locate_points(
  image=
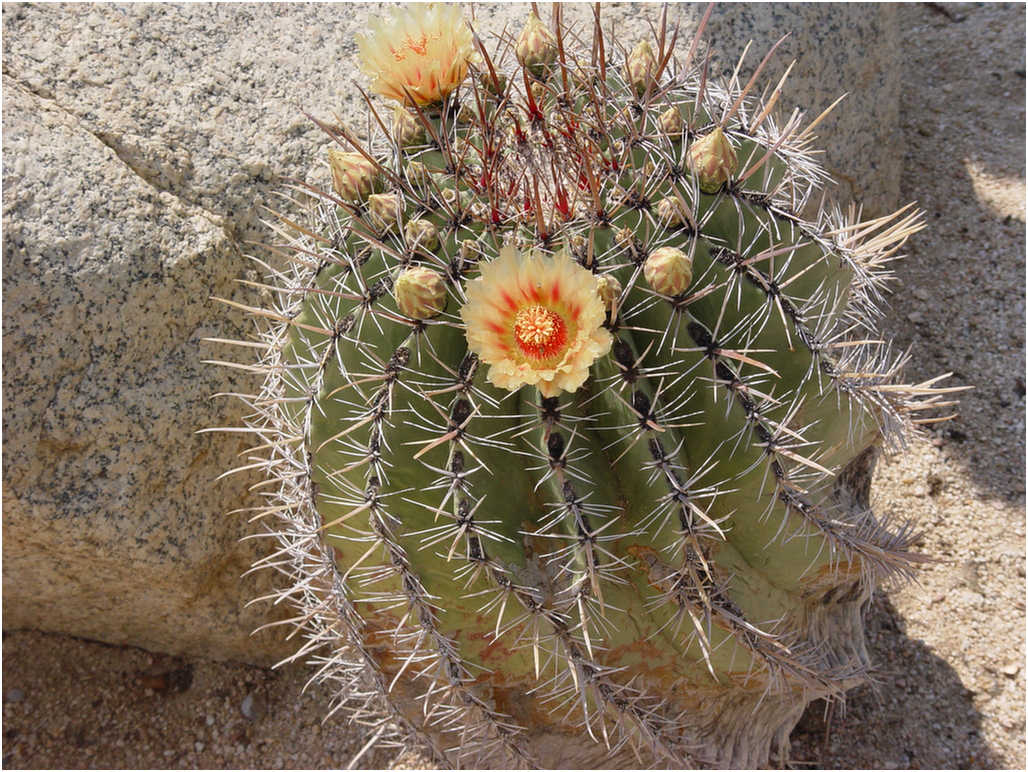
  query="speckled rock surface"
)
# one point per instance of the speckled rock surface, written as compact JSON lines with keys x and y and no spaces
{"x":138,"y":142}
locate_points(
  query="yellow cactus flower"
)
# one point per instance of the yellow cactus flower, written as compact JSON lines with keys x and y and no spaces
{"x":418,"y":55}
{"x":536,"y":321}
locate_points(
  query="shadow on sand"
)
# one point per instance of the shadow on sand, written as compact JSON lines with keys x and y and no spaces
{"x":911,"y":718}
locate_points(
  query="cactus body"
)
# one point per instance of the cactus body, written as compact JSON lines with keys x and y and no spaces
{"x":663,"y":564}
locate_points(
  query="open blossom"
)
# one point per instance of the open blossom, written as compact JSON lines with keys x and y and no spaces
{"x":418,"y":55}
{"x":536,"y":321}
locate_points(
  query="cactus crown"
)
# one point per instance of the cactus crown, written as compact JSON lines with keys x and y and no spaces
{"x":568,"y":429}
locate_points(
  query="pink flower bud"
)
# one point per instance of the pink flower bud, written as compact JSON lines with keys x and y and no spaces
{"x":354,"y":177}
{"x":535,"y":47}
{"x":671,"y":123}
{"x":407,"y":129}
{"x":670,"y":211}
{"x":420,"y":292}
{"x":422,"y":233}
{"x":641,"y":66}
{"x":668,"y":270}
{"x":384,"y":209}
{"x":712,"y":160}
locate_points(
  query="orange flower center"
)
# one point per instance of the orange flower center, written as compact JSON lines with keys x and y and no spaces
{"x":539,"y":332}
{"x":419,"y":47}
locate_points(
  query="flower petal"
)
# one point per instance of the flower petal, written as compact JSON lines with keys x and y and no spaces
{"x":519,"y":295}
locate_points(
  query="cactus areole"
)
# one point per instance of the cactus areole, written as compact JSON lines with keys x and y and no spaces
{"x":557,"y":478}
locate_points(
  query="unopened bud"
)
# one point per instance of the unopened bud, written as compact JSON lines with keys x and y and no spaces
{"x":671,"y":123}
{"x":418,"y":173}
{"x":384,"y":209}
{"x":626,"y":115}
{"x":712,"y":160}
{"x":640,"y":67}
{"x":465,"y":149}
{"x":535,"y":47}
{"x":468,"y":251}
{"x":624,"y":237}
{"x":516,"y":240}
{"x":670,"y":211}
{"x":609,"y":290}
{"x":422,"y":233}
{"x":495,"y":87}
{"x":449,"y":195}
{"x":668,"y":270}
{"x":583,"y":73}
{"x":407,"y":129}
{"x":354,"y":177}
{"x":420,"y":292}
{"x":467,"y":113}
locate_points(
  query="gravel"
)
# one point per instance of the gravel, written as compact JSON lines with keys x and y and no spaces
{"x":949,"y":690}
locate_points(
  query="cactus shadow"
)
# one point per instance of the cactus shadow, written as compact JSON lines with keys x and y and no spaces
{"x":959,"y":298}
{"x":917,"y":714}
{"x":976,"y":333}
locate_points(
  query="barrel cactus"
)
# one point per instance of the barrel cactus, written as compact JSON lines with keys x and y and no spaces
{"x":572,"y":394}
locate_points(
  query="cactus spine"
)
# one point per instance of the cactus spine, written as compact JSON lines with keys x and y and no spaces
{"x":568,"y":430}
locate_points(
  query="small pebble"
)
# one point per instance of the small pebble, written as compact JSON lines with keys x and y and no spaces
{"x":252,"y":707}
{"x":1012,"y":669}
{"x":199,"y":746}
{"x":209,"y":720}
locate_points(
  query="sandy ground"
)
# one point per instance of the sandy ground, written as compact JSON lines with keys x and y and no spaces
{"x":950,"y":685}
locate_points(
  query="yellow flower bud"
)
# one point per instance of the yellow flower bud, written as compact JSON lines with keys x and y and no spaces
{"x":640,"y":67}
{"x":624,"y":237}
{"x":468,"y":251}
{"x":712,"y":160}
{"x":384,"y":209}
{"x":420,"y":292}
{"x":418,"y":173}
{"x":671,"y":123}
{"x":670,"y":211}
{"x":578,"y":246}
{"x":497,"y":87}
{"x":407,"y":129}
{"x":467,"y":113}
{"x":535,"y":47}
{"x":668,"y":270}
{"x":422,"y":233}
{"x":354,"y":177}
